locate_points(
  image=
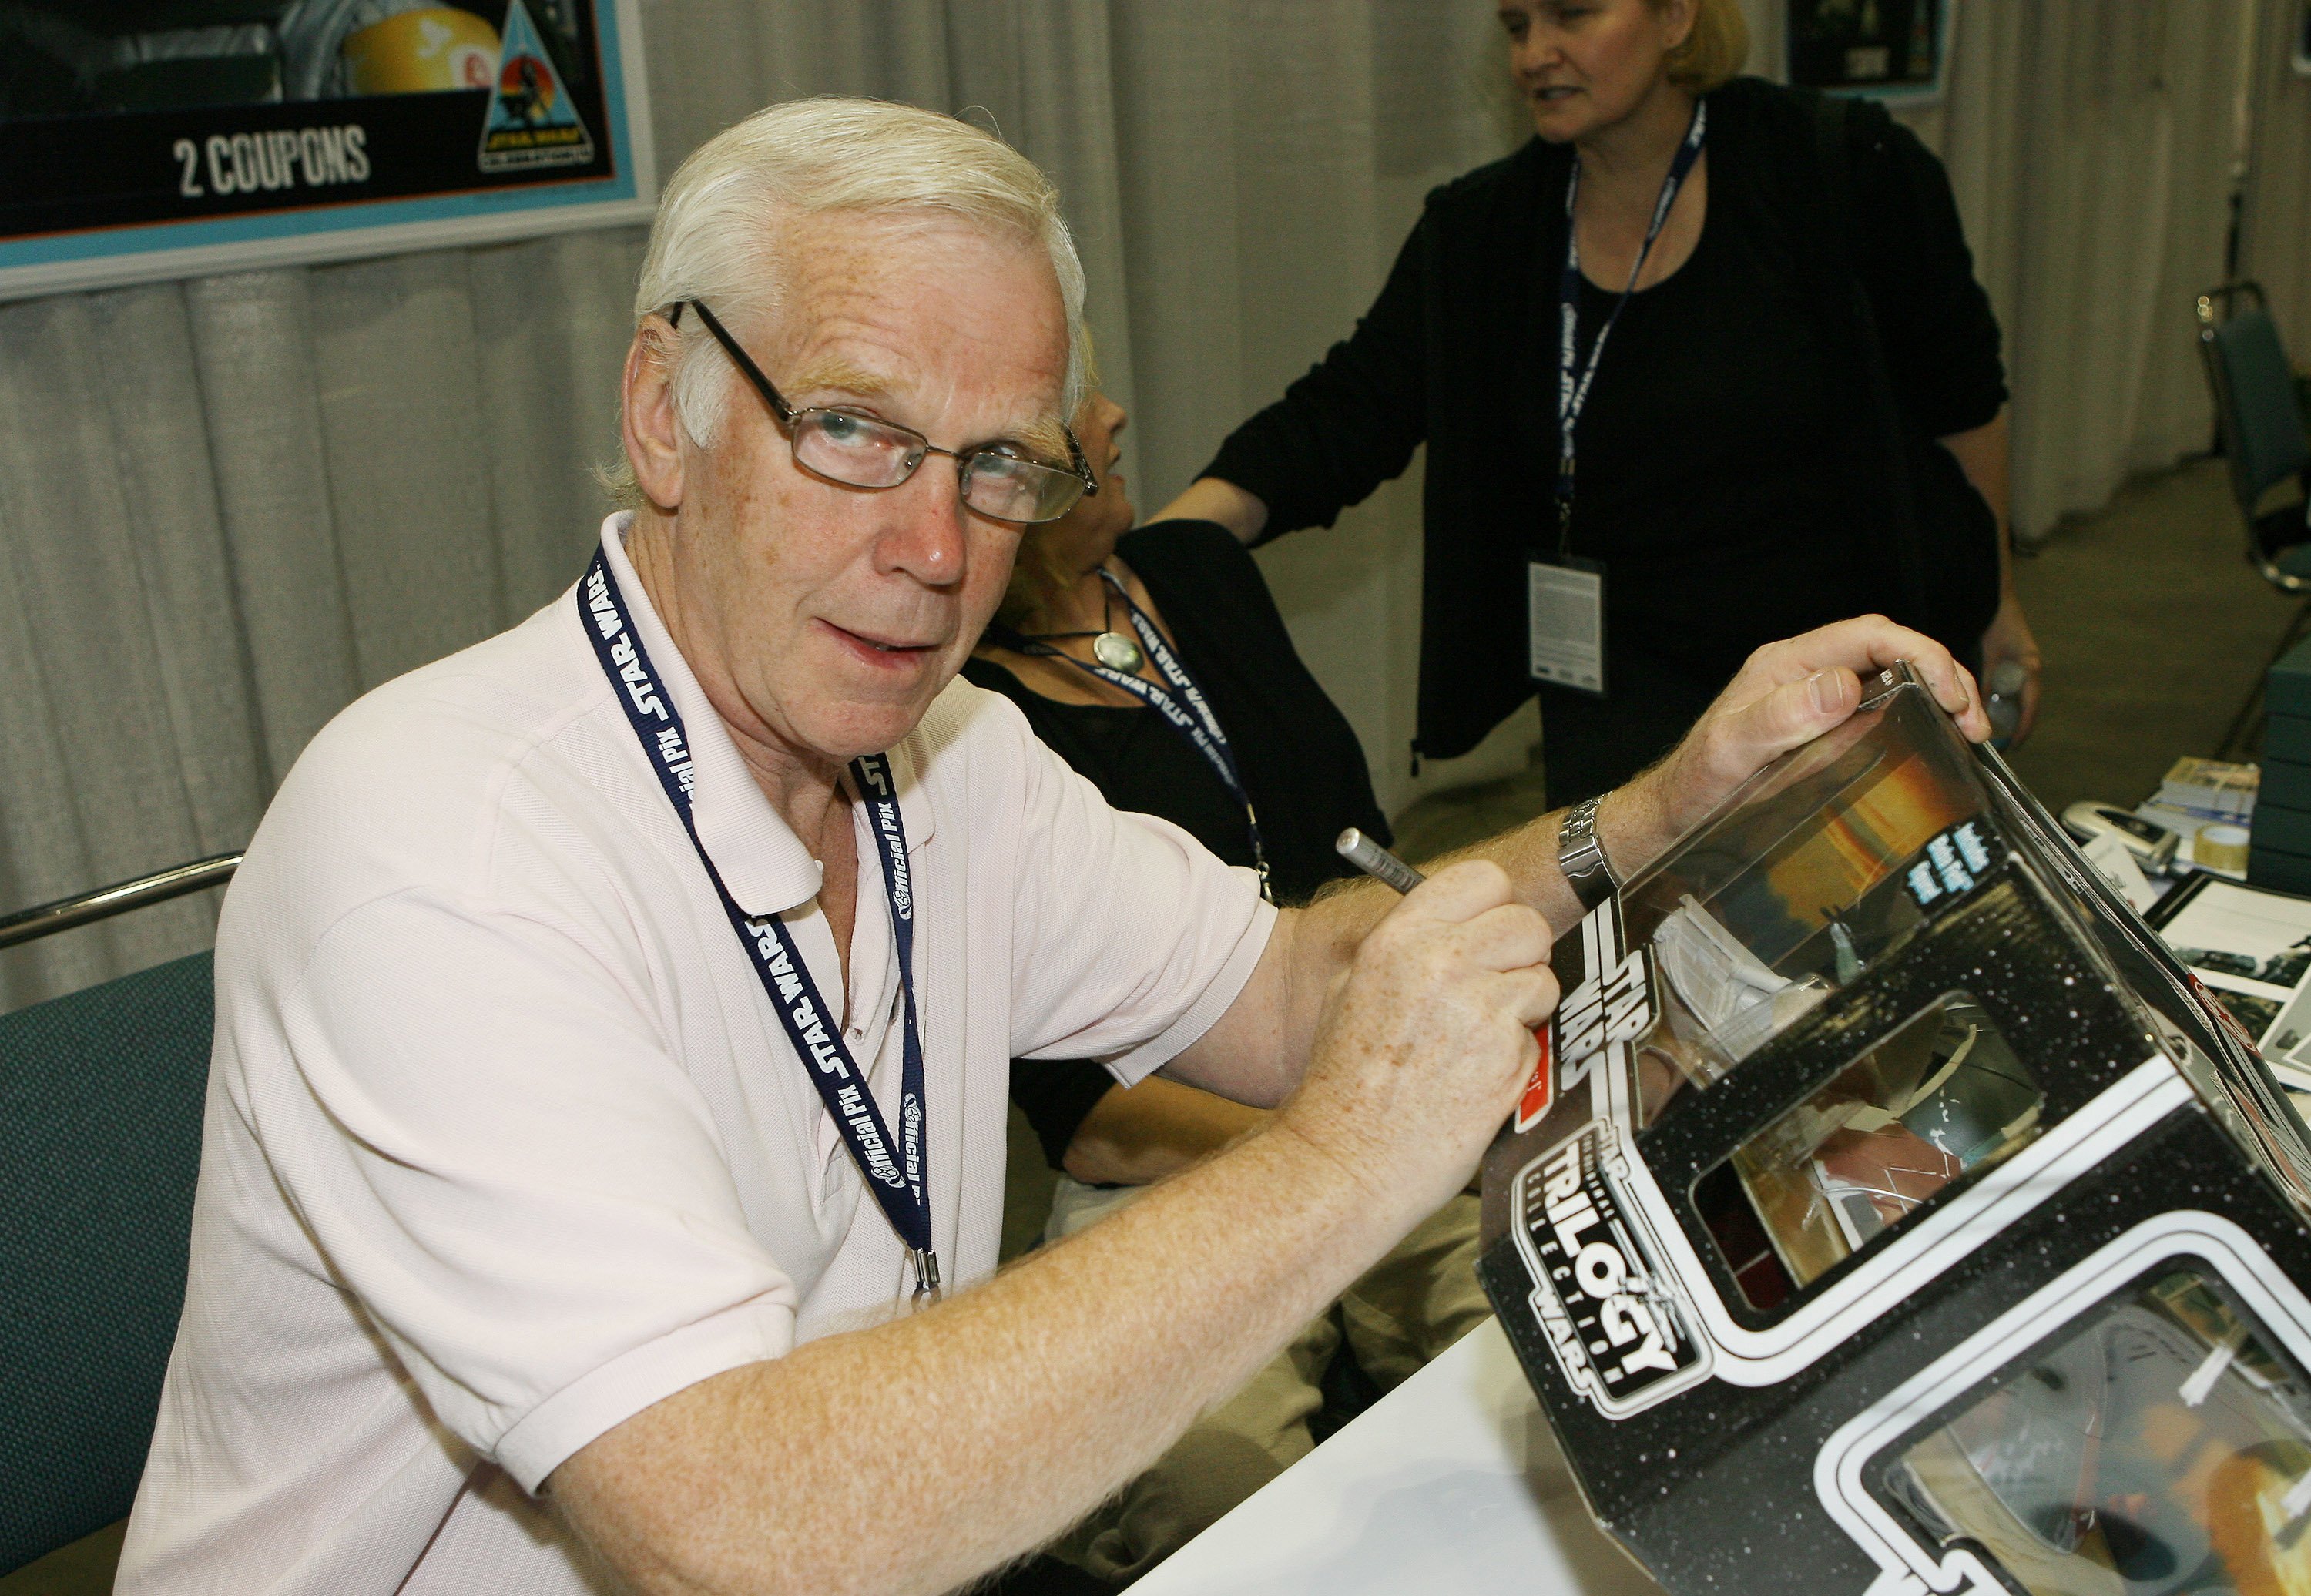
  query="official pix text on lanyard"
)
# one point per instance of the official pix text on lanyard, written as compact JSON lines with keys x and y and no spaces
{"x":893,"y":1169}
{"x":1565,"y":597}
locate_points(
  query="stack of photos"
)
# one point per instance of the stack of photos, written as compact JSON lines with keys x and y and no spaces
{"x":2251,"y":948}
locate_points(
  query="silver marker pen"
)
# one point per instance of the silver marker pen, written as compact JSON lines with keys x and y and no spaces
{"x":1376,"y":862}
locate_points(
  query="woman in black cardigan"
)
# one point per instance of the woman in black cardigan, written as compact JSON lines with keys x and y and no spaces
{"x":1800,"y":414}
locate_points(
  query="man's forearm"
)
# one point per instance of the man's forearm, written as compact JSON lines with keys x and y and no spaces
{"x":1629,"y":825}
{"x":1257,"y":1052}
{"x":1784,"y":696}
{"x":1008,"y":1411}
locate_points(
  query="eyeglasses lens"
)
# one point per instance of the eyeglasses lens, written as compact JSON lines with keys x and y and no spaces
{"x":1013,"y":490}
{"x":869,"y":454}
{"x":853,"y":449}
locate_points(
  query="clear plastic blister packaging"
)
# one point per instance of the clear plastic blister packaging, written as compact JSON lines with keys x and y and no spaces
{"x":2160,"y":1445}
{"x":1830,"y":1203}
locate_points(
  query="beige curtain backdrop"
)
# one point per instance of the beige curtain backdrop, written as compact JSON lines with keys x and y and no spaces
{"x":2278,"y":221}
{"x":2090,"y":145}
{"x":229,"y":505}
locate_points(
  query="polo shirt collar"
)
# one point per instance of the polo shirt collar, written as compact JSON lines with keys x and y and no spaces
{"x":767,"y":867}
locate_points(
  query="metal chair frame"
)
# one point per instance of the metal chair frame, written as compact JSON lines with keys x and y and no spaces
{"x":30,"y":924}
{"x":32,"y":1530}
{"x":2212,"y":309}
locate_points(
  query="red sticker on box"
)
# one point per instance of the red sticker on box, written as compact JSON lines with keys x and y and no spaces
{"x":1541,"y":1090}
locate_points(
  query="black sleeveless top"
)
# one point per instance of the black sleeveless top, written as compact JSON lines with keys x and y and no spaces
{"x":1300,"y":760}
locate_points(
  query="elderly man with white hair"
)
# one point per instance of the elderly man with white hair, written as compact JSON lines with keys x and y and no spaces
{"x":613,"y":1019}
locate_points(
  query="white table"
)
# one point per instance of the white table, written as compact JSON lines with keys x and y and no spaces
{"x":1450,"y":1482}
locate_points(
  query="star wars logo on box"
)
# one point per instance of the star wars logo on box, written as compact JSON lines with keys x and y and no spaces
{"x":1888,"y":1213}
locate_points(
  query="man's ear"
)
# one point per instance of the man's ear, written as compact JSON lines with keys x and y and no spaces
{"x":652,"y":432}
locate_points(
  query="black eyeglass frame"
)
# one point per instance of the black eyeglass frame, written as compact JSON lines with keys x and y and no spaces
{"x":787,"y":415}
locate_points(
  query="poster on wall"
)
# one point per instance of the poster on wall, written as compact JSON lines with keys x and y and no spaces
{"x":159,"y":138}
{"x":1890,"y":49}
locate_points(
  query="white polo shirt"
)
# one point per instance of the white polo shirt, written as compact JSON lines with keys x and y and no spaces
{"x":504,"y":1142}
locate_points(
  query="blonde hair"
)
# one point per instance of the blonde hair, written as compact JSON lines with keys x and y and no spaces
{"x":1715,"y":49}
{"x":723,"y":225}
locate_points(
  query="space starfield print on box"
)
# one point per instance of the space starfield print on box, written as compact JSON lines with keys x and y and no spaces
{"x":1891,"y":1212}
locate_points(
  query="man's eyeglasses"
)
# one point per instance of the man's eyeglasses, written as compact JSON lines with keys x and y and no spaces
{"x":861,"y":452}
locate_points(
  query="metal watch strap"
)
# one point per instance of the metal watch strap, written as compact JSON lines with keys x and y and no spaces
{"x":1582,"y":857}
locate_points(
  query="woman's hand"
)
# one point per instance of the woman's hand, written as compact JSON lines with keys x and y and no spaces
{"x":1787,"y":694}
{"x":2010,"y":638}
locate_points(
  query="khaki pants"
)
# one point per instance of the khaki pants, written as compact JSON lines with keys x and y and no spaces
{"x":1408,"y":1308}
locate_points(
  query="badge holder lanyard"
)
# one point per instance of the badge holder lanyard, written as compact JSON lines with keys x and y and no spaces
{"x":1565,"y":597}
{"x":1201,"y":727}
{"x":894,"y":1170}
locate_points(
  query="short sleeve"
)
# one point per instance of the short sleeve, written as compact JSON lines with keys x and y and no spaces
{"x":523,"y":1191}
{"x":1130,"y":938}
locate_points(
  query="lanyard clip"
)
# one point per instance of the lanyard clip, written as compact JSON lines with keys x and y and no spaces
{"x":926,"y":1274}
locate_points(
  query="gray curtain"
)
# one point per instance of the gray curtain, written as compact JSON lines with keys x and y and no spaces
{"x":2276,"y":225}
{"x":2090,"y":145}
{"x":2094,"y":144}
{"x":229,"y":505}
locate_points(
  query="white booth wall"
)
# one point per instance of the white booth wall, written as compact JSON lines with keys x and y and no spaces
{"x":229,"y":505}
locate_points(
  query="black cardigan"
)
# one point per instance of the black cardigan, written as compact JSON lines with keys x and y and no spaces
{"x":1454,"y":331}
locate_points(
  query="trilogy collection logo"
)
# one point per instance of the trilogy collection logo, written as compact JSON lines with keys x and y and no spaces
{"x":1612,"y":1314}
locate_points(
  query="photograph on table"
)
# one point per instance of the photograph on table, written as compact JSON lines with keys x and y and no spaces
{"x":1891,"y":49}
{"x":158,"y":138}
{"x":2251,"y":948}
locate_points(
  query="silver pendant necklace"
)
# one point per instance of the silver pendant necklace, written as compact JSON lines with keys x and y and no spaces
{"x":1117,"y":650}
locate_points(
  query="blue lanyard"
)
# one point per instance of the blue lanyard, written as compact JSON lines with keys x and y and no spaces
{"x":1193,"y":720}
{"x":1572,"y":392}
{"x":898,"y":1183}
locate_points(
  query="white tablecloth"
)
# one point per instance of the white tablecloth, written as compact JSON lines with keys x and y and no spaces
{"x":1450,"y":1482}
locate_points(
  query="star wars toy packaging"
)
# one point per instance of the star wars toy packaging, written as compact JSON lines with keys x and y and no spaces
{"x":1890,"y":1213}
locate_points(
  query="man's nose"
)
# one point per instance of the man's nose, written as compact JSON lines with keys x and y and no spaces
{"x":927,"y":532}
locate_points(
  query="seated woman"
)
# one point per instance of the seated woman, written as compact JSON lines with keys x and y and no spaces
{"x":1154,"y":662}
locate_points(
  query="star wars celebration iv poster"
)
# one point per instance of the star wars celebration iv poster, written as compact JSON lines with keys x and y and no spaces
{"x":1894,"y":50}
{"x":153,"y":138}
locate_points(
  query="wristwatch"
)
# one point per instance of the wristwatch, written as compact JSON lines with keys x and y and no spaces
{"x":1582,"y":857}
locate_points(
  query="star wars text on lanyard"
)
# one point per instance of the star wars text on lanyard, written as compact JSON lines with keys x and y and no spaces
{"x":1565,"y":597}
{"x":894,"y":1170}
